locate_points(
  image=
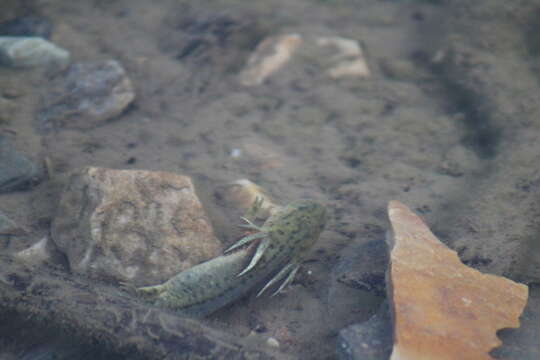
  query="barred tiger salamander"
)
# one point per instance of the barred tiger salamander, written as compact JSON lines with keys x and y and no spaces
{"x":269,"y":256}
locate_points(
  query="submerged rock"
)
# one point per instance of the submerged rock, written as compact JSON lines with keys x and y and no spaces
{"x":441,"y":308}
{"x":349,"y":60}
{"x":30,"y":25}
{"x":363,"y":266}
{"x":23,"y":52}
{"x":17,"y":172}
{"x":370,"y":340}
{"x":37,"y":253}
{"x":271,"y":55}
{"x":137,"y":226}
{"x":243,"y":193}
{"x":89,"y":94}
{"x":7,"y":226}
{"x":338,"y":57}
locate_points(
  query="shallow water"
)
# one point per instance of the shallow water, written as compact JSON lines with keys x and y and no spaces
{"x":407,"y":132}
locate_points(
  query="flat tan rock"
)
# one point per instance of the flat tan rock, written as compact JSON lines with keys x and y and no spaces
{"x":443,"y":309}
{"x":243,"y":193}
{"x":132,"y":225}
{"x":337,"y":56}
{"x":269,"y":56}
{"x":349,"y":60}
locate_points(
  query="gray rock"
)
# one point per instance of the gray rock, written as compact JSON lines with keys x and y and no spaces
{"x":136,"y":226}
{"x":7,"y":226}
{"x":23,"y":52}
{"x":89,"y":94}
{"x":16,"y":171}
{"x":8,"y":111}
{"x":363,"y":266}
{"x":370,"y":340}
{"x":523,"y":343}
{"x":358,"y":281}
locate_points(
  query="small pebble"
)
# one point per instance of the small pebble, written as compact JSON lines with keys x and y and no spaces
{"x":235,"y":153}
{"x":272,"y":342}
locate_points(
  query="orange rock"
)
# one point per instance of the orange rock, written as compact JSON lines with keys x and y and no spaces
{"x":441,"y":308}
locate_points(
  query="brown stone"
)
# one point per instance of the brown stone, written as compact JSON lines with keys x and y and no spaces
{"x":441,"y":308}
{"x":132,"y":225}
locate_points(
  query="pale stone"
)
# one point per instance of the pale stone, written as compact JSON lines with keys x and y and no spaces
{"x":441,"y":308}
{"x":272,"y":342}
{"x":23,"y":52}
{"x":37,"y":253}
{"x":349,"y":61}
{"x":269,"y":56}
{"x":241,"y":194}
{"x":132,"y":225}
{"x":350,"y":68}
{"x":347,"y":58}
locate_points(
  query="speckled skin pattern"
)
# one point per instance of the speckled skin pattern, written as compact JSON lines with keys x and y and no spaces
{"x":198,"y":291}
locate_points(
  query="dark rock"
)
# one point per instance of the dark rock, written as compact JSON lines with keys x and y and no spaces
{"x":363,"y":267}
{"x":358,"y":282}
{"x":221,"y":41}
{"x":369,"y":340}
{"x":16,"y":171}
{"x":27,"y":26}
{"x":7,"y":226}
{"x":523,"y":343}
{"x":87,"y":95}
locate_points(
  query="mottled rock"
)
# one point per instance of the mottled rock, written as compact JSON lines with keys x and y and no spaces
{"x":370,"y":340}
{"x":269,"y":56}
{"x":441,"y":308}
{"x":23,"y":52}
{"x":30,"y":25}
{"x":17,"y":172}
{"x":87,"y":95}
{"x":127,"y":225}
{"x":7,"y":226}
